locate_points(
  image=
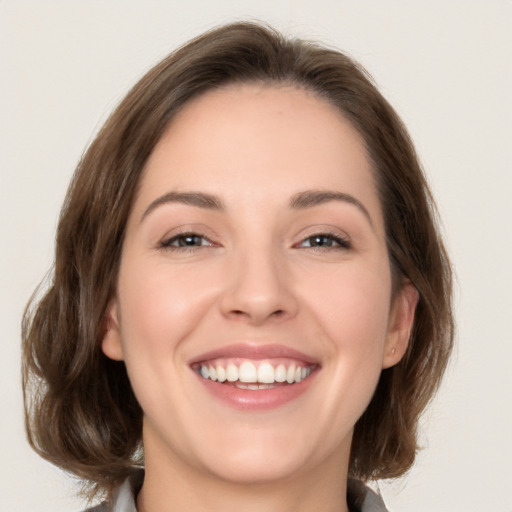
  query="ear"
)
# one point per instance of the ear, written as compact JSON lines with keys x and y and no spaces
{"x":401,"y":321}
{"x":111,"y":342}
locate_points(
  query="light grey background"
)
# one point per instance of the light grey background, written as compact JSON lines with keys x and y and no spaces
{"x":447,"y":68}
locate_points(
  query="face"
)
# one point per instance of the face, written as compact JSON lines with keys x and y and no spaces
{"x":254,"y":309}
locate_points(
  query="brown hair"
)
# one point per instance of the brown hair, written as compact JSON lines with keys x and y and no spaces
{"x":81,"y":413}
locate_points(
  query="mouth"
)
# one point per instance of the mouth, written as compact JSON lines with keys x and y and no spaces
{"x":252,"y":377}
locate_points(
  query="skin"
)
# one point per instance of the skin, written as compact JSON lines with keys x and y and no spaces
{"x":255,"y":278}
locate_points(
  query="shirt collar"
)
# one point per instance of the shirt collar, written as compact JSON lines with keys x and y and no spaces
{"x":361,"y":497}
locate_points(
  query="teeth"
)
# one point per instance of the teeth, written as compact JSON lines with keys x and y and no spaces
{"x":253,"y":387}
{"x":221,"y":373}
{"x":280,"y":373}
{"x":247,"y":372}
{"x":231,"y":372}
{"x":266,"y":373}
{"x":250,"y":376}
{"x":290,"y":374}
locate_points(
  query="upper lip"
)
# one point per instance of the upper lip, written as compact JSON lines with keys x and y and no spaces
{"x":256,"y":352}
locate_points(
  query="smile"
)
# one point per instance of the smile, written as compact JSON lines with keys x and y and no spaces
{"x":254,"y":375}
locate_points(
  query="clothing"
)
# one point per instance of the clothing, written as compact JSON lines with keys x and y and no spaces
{"x":123,"y":498}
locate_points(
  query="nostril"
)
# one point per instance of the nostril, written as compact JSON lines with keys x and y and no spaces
{"x":240,"y":314}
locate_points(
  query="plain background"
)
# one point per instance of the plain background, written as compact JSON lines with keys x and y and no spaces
{"x":446,"y":66}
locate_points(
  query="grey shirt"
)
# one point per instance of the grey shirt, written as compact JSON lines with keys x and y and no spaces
{"x":360,"y":497}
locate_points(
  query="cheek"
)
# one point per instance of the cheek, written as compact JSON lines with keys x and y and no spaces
{"x":159,"y":307}
{"x":161,"y":304}
{"x":351,"y":307}
{"x":355,"y":296}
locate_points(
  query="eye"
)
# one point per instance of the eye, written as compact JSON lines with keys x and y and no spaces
{"x":186,"y":241}
{"x":325,"y":241}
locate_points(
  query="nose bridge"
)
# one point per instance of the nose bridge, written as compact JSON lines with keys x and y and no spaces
{"x":258,"y":287}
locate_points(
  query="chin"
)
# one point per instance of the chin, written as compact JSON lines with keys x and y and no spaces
{"x":263,"y":456}
{"x":256,"y":469}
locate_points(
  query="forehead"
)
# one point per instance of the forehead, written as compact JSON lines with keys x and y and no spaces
{"x":253,"y":139}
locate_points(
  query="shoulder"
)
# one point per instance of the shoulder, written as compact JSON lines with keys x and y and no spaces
{"x":360,"y":497}
{"x":103,"y":507}
{"x":363,"y":499}
{"x":124,"y":497}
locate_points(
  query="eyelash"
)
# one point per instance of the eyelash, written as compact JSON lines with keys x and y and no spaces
{"x":168,"y":243}
{"x":340,"y":242}
{"x":337,"y":242}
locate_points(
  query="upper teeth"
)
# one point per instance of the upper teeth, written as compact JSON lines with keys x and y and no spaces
{"x":247,"y":371}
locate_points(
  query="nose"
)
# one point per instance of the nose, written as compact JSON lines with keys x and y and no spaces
{"x":259,"y":289}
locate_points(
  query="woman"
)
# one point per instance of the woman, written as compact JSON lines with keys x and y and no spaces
{"x":250,"y":297}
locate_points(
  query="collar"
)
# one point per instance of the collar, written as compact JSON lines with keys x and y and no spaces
{"x":360,"y":497}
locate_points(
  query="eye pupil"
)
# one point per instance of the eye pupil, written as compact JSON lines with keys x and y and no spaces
{"x":189,"y":240}
{"x":321,"y":241}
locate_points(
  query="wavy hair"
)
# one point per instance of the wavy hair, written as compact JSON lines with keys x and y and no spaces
{"x":81,"y":413}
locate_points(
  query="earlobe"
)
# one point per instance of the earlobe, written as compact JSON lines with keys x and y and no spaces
{"x":111,"y":341}
{"x":401,"y":321}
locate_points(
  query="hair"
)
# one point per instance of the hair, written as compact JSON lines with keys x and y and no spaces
{"x":81,"y":413}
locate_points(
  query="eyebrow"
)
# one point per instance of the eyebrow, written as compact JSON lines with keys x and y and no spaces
{"x":199,"y":199}
{"x":310,"y":198}
{"x":300,"y":201}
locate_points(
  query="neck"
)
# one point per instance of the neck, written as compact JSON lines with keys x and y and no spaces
{"x":176,"y":487}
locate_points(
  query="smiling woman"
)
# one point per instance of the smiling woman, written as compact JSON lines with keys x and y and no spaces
{"x":250,"y":298}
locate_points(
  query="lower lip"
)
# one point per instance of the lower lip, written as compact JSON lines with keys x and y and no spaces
{"x":258,"y":399}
